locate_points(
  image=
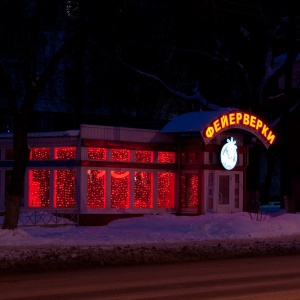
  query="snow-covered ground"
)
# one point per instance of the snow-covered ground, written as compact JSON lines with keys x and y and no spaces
{"x":160,"y":228}
{"x":162,"y":237}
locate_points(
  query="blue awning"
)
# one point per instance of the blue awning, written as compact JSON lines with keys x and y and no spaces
{"x":192,"y":121}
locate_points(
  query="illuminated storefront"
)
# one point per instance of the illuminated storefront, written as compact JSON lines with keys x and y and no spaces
{"x":100,"y":171}
{"x":110,"y":172}
{"x":213,"y":152}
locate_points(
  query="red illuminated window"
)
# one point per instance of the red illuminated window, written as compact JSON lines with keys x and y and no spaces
{"x":166,"y":190}
{"x":96,"y":188}
{"x":143,"y":186}
{"x":40,"y":153}
{"x":64,"y":188}
{"x":120,"y":192}
{"x":97,"y":153}
{"x":120,"y":154}
{"x":166,"y":157}
{"x":143,"y":156}
{"x":189,"y":190}
{"x":65,"y":153}
{"x":38,"y":195}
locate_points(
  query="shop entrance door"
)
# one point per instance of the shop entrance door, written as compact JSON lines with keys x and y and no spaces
{"x":223,"y":193}
{"x":229,"y":192}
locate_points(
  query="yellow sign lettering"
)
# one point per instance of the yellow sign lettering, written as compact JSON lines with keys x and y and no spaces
{"x":231,"y":119}
{"x":259,"y":124}
{"x":271,"y":137}
{"x":252,"y":121}
{"x":244,"y":120}
{"x":217,"y":126}
{"x":209,"y":132}
{"x":238,"y":117}
{"x":224,"y":121}
{"x":264,"y":130}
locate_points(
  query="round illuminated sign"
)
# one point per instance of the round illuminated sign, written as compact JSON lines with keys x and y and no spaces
{"x":229,"y":154}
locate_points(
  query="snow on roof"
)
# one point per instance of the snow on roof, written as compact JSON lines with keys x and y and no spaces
{"x":44,"y":134}
{"x":192,"y":121}
{"x":55,"y":134}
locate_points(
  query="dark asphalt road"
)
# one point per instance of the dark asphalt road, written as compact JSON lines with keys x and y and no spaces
{"x":240,"y":278}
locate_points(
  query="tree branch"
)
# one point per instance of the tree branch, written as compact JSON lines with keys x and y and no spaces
{"x":195,"y":96}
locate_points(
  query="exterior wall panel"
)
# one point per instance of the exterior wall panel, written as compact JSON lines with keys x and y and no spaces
{"x":124,"y":134}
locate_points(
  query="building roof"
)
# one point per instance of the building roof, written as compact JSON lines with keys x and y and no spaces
{"x":192,"y":121}
{"x":43,"y":134}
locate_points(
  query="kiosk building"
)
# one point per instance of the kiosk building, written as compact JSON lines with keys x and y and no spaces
{"x":195,"y":164}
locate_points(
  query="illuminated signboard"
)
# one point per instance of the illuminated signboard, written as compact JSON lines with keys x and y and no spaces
{"x":240,"y":120}
{"x":229,"y":154}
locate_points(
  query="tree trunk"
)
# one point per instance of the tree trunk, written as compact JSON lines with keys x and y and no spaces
{"x":253,"y":171}
{"x":286,"y":140}
{"x":289,"y":204}
{"x":21,"y":115}
{"x":268,"y":178}
{"x":12,"y":212}
{"x":16,"y":188}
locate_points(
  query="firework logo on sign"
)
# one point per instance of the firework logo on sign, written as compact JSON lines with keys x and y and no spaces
{"x":229,"y":154}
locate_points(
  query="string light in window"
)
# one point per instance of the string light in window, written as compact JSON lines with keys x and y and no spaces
{"x":166,"y":190}
{"x":40,"y":153}
{"x":65,"y":188}
{"x":166,"y":157}
{"x":39,"y":188}
{"x":120,"y":189}
{"x":97,"y":153}
{"x":143,"y":185}
{"x":189,"y":190}
{"x":144,"y":156}
{"x":120,"y":154}
{"x":65,"y":153}
{"x":96,"y":188}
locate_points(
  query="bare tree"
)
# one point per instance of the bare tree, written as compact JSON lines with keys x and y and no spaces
{"x":262,"y":94}
{"x":22,"y":110}
{"x":208,"y":49}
